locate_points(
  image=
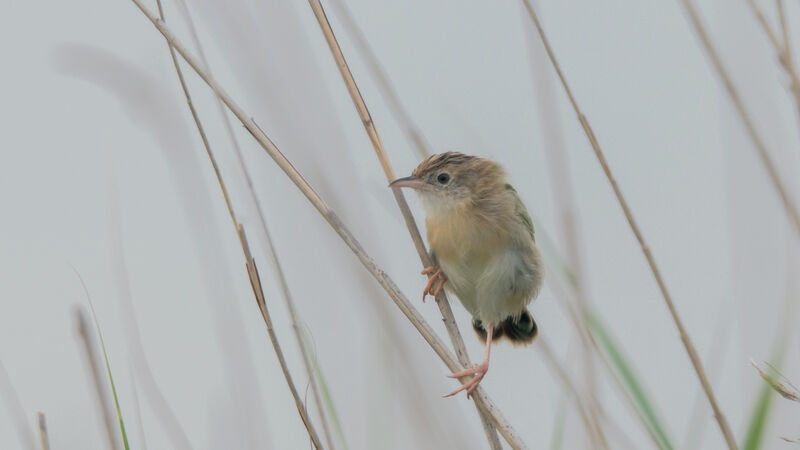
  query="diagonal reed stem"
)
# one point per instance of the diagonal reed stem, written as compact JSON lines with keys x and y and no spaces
{"x":252,"y":272}
{"x":372,"y":132}
{"x":255,"y":283}
{"x":262,"y":218}
{"x":387,"y":89}
{"x":747,"y":121}
{"x":586,"y":407}
{"x":782,"y":49}
{"x":687,"y":342}
{"x":493,"y":413}
{"x":557,"y":159}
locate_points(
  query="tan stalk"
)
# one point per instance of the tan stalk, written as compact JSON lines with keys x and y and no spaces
{"x":572,"y":310}
{"x":251,"y":270}
{"x":687,"y":342}
{"x":43,"y":431}
{"x":783,"y":49}
{"x":333,"y":220}
{"x":262,"y":219}
{"x":386,"y":88}
{"x":372,"y":132}
{"x":587,"y":416}
{"x":557,"y":159}
{"x":255,"y":283}
{"x":763,"y":154}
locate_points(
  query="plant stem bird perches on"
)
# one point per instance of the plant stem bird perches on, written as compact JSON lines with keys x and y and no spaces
{"x":492,"y":412}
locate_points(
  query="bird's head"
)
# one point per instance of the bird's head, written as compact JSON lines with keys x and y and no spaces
{"x":452,"y":180}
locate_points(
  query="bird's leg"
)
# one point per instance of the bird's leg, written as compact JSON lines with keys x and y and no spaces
{"x":435,"y":282}
{"x":479,"y":371}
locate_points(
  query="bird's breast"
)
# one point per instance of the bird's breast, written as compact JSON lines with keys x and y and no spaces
{"x":459,"y":236}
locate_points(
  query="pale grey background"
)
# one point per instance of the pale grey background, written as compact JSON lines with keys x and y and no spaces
{"x":102,"y":170}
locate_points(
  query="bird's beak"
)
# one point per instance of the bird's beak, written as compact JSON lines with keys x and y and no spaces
{"x":409,"y":182}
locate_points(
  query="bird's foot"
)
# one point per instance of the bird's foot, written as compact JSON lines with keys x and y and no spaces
{"x":435,"y":282}
{"x":470,"y":386}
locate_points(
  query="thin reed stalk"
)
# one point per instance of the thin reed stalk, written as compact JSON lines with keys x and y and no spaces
{"x":387,"y":89}
{"x":556,"y":154}
{"x":333,"y":220}
{"x":250,"y":263}
{"x":263,"y":228}
{"x":782,"y":47}
{"x":687,"y":342}
{"x":584,"y":405}
{"x":580,"y":326}
{"x":43,"y":438}
{"x":93,"y":361}
{"x":747,"y":121}
{"x":372,"y":133}
{"x":255,"y":282}
{"x":16,"y":412}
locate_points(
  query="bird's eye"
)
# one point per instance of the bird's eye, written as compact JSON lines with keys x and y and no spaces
{"x":443,"y":178}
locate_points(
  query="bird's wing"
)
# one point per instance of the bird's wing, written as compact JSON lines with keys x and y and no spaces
{"x":521,"y":212}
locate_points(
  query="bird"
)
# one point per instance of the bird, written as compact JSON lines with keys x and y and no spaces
{"x":482,"y":246}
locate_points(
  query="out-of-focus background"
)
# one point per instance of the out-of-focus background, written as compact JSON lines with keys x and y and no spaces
{"x":103,"y":174}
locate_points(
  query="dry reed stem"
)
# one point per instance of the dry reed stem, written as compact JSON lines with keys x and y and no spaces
{"x":783,"y":49}
{"x":763,"y":154}
{"x":251,"y":271}
{"x":556,"y":154}
{"x":255,"y":282}
{"x":787,"y":45}
{"x":92,"y":359}
{"x":15,"y":409}
{"x":294,"y":317}
{"x":43,"y":431}
{"x":372,"y":132}
{"x":333,"y":220}
{"x":588,"y":417}
{"x":386,"y":88}
{"x":229,"y":205}
{"x":265,"y":235}
{"x":567,"y":301}
{"x":687,"y":342}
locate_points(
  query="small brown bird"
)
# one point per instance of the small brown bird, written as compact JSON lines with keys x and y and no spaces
{"x":483,"y":248}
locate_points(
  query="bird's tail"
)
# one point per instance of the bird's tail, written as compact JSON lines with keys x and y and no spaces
{"x":519,"y":330}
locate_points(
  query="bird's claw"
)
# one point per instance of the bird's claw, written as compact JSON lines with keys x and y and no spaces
{"x":471,"y":385}
{"x":435,"y":282}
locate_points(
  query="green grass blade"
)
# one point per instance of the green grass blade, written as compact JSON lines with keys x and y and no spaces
{"x":759,"y":419}
{"x":113,"y":386}
{"x":634,"y":387}
{"x":323,"y":387}
{"x":108,"y":365}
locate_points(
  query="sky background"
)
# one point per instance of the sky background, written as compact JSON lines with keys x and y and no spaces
{"x":103,"y":173}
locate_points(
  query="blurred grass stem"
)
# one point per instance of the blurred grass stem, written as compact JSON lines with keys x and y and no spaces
{"x":93,"y":361}
{"x":229,"y":205}
{"x":43,"y":438}
{"x":687,"y":342}
{"x":747,"y":121}
{"x":333,"y":220}
{"x":372,"y":132}
{"x":15,"y":409}
{"x":250,"y":263}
